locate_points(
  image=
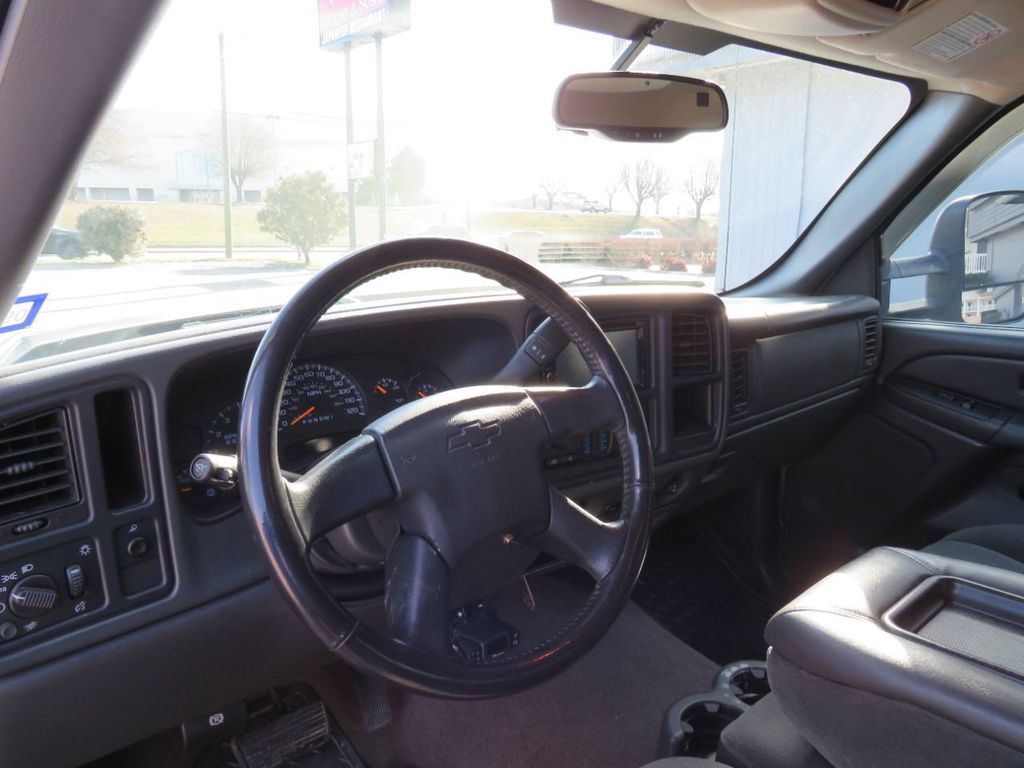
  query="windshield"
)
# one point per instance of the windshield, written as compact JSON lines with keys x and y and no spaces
{"x":229,"y":169}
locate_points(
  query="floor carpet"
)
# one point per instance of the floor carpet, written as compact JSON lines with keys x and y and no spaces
{"x":603,"y":712}
{"x":691,"y":592}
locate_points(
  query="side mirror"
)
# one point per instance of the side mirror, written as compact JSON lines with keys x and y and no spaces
{"x":974,"y":267}
{"x":631,"y":106}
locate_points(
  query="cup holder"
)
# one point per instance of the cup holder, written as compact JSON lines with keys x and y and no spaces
{"x":693,"y":725}
{"x":746,"y":680}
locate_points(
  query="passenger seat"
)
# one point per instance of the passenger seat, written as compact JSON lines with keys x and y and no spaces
{"x":1000,"y":546}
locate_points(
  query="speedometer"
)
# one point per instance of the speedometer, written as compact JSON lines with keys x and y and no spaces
{"x":319,"y":394}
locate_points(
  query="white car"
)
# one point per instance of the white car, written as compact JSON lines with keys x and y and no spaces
{"x":643,"y":234}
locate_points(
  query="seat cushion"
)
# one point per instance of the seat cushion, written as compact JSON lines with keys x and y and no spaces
{"x":1000,"y":546}
{"x":763,"y":737}
{"x":683,"y":762}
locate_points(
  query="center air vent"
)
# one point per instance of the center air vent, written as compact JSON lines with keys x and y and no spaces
{"x":739,"y":382}
{"x":36,"y":474}
{"x":691,"y":345}
{"x":870,"y":342}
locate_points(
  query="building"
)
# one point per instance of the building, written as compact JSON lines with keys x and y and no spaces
{"x":154,"y":156}
{"x":766,"y":199}
{"x":994,"y":258}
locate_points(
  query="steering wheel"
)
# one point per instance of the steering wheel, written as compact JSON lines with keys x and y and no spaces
{"x":461,"y":473}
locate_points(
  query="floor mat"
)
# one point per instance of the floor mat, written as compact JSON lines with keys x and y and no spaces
{"x":603,"y":712}
{"x":691,"y":592}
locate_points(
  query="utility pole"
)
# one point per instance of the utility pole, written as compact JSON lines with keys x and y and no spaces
{"x":350,"y":135}
{"x":378,"y":147}
{"x":225,"y":155}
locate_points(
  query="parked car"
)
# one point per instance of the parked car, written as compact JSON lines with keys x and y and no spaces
{"x":66,"y":243}
{"x":643,"y":234}
{"x":593,"y":206}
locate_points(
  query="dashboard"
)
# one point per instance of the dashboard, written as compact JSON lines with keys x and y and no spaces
{"x":173,"y":585}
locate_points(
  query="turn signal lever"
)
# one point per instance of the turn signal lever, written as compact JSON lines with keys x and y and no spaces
{"x":215,"y":470}
{"x":536,"y":353}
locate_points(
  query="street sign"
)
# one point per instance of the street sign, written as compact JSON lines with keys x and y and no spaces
{"x":344,"y":22}
{"x":361,"y":160}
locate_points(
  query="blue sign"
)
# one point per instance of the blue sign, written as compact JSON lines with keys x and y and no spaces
{"x":23,"y":312}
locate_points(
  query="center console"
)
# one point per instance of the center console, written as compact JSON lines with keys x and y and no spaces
{"x":905,"y":658}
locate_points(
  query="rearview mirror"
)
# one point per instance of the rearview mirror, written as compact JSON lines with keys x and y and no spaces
{"x":631,"y":106}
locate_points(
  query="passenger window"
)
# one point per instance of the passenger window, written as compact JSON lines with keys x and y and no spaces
{"x":962,"y":260}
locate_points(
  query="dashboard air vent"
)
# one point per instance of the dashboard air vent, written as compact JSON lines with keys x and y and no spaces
{"x":36,"y":474}
{"x":870,"y":342}
{"x":739,"y":382}
{"x":691,"y":345}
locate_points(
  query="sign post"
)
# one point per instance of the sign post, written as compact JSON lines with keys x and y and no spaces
{"x":343,"y":25}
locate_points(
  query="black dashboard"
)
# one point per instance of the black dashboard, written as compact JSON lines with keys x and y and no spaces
{"x":173,"y":586}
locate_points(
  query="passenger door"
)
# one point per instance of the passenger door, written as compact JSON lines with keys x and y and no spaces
{"x":939,"y":446}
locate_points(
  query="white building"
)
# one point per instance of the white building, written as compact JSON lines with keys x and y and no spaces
{"x":995,"y":256}
{"x":147,"y":155}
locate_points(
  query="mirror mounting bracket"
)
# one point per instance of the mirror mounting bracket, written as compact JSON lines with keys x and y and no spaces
{"x":637,"y":46}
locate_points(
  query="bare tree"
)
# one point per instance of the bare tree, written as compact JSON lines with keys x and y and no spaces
{"x":701,"y":184}
{"x":109,"y":147}
{"x":638,"y":181}
{"x":662,"y":187}
{"x":611,"y":189}
{"x":552,"y":188}
{"x":250,"y":150}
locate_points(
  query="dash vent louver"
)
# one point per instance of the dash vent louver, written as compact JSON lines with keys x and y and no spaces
{"x":36,"y":471}
{"x":739,"y":382}
{"x":870,"y":342}
{"x":691,"y":345}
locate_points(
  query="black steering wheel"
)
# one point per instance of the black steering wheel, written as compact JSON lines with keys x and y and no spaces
{"x":461,"y":473}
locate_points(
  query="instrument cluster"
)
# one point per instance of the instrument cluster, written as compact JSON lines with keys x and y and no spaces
{"x":323,"y":404}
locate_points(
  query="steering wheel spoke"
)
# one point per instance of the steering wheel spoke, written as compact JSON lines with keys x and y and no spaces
{"x":416,"y":590}
{"x":351,"y":482}
{"x":569,"y":410}
{"x":576,"y":536}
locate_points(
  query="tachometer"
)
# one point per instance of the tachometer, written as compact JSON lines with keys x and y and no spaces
{"x":319,"y":394}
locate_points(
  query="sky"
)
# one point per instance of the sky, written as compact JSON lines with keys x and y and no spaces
{"x":469,"y":87}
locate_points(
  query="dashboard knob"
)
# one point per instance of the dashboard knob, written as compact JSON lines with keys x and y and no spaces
{"x":33,"y":596}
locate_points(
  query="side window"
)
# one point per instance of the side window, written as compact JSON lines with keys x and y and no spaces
{"x":962,"y":260}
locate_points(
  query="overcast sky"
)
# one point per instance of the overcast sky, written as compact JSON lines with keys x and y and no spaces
{"x":469,"y":87}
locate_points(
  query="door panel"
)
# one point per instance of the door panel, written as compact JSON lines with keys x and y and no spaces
{"x":936,"y":448}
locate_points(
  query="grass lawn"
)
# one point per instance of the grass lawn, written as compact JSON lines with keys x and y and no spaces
{"x":196,"y":224}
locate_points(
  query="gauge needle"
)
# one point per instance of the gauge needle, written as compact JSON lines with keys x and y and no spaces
{"x":302,"y":415}
{"x":381,"y":389}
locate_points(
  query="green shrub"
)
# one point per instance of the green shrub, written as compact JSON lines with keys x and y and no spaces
{"x":305,"y":210}
{"x":112,"y":229}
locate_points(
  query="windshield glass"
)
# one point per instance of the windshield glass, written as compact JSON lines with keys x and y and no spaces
{"x":455,"y":139}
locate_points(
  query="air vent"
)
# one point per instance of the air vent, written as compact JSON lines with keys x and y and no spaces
{"x":35,"y":466}
{"x":739,"y":382}
{"x":691,"y":345}
{"x":870,"y":342}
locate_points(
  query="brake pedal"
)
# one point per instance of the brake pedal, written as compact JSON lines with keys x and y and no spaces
{"x":285,"y":738}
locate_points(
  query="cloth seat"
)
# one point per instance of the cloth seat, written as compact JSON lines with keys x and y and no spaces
{"x":999,"y":546}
